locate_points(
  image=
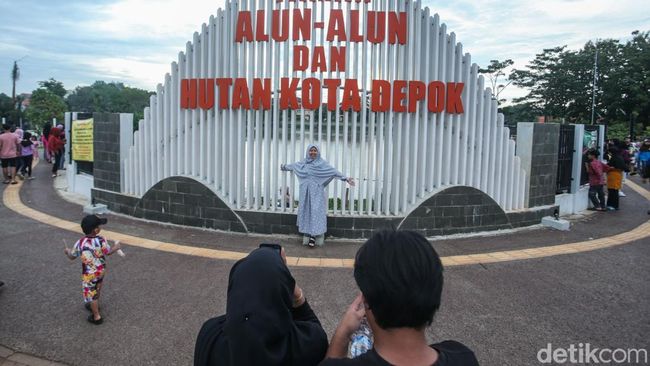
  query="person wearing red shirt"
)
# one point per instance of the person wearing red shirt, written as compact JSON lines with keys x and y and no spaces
{"x":596,"y":169}
{"x":56,"y":144}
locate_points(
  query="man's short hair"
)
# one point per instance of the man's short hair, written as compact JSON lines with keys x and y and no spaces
{"x":400,"y":276}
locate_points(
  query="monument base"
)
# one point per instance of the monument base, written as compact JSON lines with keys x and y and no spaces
{"x":185,"y":201}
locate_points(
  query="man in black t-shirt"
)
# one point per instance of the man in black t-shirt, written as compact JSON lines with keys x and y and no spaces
{"x":400,"y":278}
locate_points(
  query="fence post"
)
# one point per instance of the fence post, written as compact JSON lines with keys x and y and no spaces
{"x":524,"y":151}
{"x":601,"y":140}
{"x":72,"y":165}
{"x":578,"y":141}
{"x":126,"y":141}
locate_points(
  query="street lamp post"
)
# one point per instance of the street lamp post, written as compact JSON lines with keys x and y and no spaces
{"x":593,"y":90}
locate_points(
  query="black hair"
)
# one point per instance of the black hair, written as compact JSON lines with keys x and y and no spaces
{"x":400,"y":276}
{"x":6,"y":127}
{"x":27,"y":139}
{"x":593,"y":152}
{"x":645,"y":147}
{"x":46,"y":130}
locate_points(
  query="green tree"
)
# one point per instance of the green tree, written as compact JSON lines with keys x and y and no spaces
{"x":618,"y":131}
{"x":6,"y":106}
{"x":560,"y":82}
{"x":109,"y":97}
{"x":523,"y":112}
{"x":44,"y":106}
{"x":546,"y":80}
{"x":631,"y":98}
{"x":8,"y":109}
{"x":494,"y":72}
{"x":56,"y":87}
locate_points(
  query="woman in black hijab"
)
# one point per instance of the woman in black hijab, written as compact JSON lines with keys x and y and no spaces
{"x":267,"y":322}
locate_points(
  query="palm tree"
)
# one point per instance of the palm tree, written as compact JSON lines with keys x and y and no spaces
{"x":15,"y":75}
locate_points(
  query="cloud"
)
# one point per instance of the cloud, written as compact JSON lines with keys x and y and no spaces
{"x":518,"y":30}
{"x":135,"y":41}
{"x":164,"y":19}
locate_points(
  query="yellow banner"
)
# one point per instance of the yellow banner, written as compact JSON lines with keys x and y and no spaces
{"x":82,"y":140}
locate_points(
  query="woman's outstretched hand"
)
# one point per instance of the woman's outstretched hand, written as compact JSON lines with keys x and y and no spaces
{"x":351,"y":182}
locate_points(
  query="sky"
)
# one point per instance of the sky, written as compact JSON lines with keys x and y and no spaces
{"x":135,"y":41}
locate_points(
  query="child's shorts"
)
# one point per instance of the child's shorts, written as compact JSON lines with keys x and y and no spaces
{"x":89,"y":286}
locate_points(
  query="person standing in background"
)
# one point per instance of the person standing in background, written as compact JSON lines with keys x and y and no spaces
{"x":19,"y":154}
{"x":56,"y":146}
{"x":614,"y":177}
{"x":35,"y":145}
{"x":62,"y":129}
{"x":27,"y":156}
{"x":9,"y":144}
{"x":643,"y":160}
{"x":44,"y":139}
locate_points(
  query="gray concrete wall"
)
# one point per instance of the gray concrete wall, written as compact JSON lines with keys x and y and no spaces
{"x":537,"y":147}
{"x":106,"y":141}
{"x":543,"y":169}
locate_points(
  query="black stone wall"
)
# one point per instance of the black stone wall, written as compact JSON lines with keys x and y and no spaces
{"x":457,"y":210}
{"x":176,"y":200}
{"x":106,"y":145}
{"x":543,"y":170}
{"x":115,"y":202}
{"x":184,"y":201}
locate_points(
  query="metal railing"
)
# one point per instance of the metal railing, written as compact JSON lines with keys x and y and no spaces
{"x":566,"y":150}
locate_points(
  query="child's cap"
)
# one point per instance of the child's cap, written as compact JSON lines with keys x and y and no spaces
{"x":90,"y":222}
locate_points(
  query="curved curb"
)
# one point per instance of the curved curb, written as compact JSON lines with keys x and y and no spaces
{"x":11,"y":199}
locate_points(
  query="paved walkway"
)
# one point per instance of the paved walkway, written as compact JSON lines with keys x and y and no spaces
{"x":155,"y":300}
{"x":9,"y":357}
{"x":12,"y":200}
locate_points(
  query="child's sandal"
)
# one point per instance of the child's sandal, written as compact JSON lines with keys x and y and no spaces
{"x":91,"y":319}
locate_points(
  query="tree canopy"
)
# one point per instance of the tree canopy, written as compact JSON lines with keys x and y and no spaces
{"x":495,"y":71}
{"x":44,"y":106}
{"x":55,"y":87}
{"x":560,"y":82}
{"x":109,"y":97}
{"x":52,"y":100}
{"x":8,"y":110}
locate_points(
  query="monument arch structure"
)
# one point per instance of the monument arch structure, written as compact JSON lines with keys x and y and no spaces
{"x":380,"y":85}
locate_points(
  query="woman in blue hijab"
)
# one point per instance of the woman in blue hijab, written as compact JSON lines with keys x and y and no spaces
{"x":314,"y":174}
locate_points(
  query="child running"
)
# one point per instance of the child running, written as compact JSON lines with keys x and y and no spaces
{"x":27,"y":156}
{"x":93,"y":250}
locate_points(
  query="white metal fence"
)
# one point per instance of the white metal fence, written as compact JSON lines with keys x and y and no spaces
{"x":397,"y":159}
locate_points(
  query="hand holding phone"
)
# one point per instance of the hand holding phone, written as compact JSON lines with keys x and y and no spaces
{"x":276,"y":247}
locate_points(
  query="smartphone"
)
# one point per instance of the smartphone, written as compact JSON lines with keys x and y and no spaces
{"x":276,"y":247}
